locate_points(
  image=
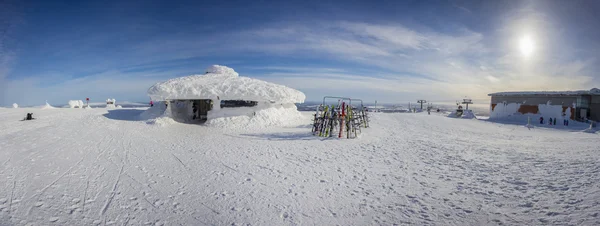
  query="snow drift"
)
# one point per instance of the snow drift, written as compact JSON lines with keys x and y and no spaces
{"x":223,"y":83}
{"x":47,"y":106}
{"x":15,"y":105}
{"x":275,"y":116}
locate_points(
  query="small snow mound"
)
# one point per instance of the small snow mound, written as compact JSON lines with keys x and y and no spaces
{"x":15,"y":105}
{"x":222,"y":70}
{"x":270,"y":117}
{"x":468,"y":114}
{"x":590,"y":129}
{"x":87,"y":107}
{"x":119,"y":106}
{"x":47,"y":106}
{"x":161,"y":121}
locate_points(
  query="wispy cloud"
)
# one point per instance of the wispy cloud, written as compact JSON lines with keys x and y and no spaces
{"x":393,"y":60}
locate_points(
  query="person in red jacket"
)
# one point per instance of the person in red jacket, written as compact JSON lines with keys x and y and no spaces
{"x":151,"y":104}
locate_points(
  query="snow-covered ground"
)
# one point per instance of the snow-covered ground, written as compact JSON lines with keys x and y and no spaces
{"x":99,"y":167}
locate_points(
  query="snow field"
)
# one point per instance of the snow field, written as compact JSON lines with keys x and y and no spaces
{"x":110,"y":167}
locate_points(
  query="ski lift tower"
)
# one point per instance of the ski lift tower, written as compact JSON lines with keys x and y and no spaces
{"x":467,"y":102}
{"x":421,"y":102}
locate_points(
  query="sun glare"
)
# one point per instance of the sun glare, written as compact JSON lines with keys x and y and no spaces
{"x":526,"y":45}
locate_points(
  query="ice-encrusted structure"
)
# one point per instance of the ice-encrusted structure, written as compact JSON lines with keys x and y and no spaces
{"x":223,"y":83}
{"x":186,"y":99}
{"x":110,"y":103}
{"x":76,"y":104}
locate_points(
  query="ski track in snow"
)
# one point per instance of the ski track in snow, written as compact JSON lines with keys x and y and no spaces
{"x":91,"y":167}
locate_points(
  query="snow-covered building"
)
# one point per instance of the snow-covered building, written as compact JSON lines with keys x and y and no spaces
{"x":221,"y":92}
{"x":110,"y":103}
{"x":75,"y":103}
{"x":576,"y":105}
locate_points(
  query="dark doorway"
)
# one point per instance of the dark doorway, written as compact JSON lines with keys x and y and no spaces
{"x":237,"y":103}
{"x":200,"y":110}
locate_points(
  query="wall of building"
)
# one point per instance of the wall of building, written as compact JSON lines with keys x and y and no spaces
{"x":595,"y":108}
{"x":565,"y":101}
{"x":545,"y":106}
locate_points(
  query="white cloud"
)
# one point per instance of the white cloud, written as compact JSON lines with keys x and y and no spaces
{"x":452,"y":63}
{"x":387,"y":60}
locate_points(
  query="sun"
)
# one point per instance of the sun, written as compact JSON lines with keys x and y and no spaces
{"x":526,"y":45}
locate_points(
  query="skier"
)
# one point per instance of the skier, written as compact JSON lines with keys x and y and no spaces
{"x":542,"y":120}
{"x":429,"y":111}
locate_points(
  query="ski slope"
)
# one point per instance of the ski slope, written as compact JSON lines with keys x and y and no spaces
{"x":99,"y":167}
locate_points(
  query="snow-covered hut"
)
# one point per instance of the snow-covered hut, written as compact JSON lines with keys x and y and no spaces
{"x":220,"y":92}
{"x":110,"y":103}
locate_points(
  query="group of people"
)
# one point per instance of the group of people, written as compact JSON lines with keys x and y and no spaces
{"x":552,"y":121}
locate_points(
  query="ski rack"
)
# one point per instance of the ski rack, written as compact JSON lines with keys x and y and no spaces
{"x":342,"y":118}
{"x":339,"y":98}
{"x":363,"y":114}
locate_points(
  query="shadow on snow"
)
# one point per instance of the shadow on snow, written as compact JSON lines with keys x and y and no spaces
{"x":279,"y":136}
{"x":124,"y":114}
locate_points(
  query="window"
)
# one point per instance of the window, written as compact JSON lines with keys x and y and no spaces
{"x":583,"y":101}
{"x":237,"y":103}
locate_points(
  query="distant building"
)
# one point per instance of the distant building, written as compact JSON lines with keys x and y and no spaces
{"x":576,"y":105}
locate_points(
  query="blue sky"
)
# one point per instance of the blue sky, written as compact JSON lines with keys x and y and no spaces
{"x":391,"y":51}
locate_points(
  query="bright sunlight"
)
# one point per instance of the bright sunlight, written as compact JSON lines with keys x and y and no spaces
{"x":526,"y":45}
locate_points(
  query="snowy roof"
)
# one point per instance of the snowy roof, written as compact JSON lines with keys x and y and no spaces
{"x":594,"y":91}
{"x":226,"y":84}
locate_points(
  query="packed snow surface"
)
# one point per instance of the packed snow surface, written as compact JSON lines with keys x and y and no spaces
{"x":223,"y":83}
{"x":109,"y":167}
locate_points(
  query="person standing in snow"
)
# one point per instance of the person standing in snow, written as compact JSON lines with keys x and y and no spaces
{"x":151,"y":104}
{"x":550,"y":121}
{"x":541,"y":120}
{"x":194,"y":110}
